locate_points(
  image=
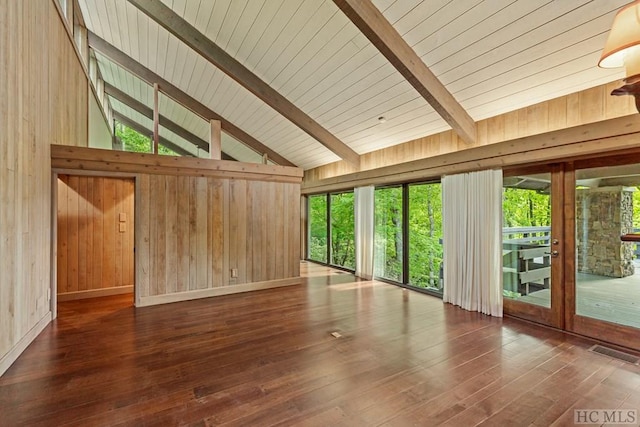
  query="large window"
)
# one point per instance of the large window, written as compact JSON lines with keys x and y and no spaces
{"x":408,"y":233}
{"x":332,"y":230}
{"x":343,"y":245}
{"x":425,"y":236}
{"x":318,"y":231}
{"x":388,"y":234}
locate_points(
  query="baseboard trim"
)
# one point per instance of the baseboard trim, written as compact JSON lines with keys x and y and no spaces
{"x":15,"y":352}
{"x":95,"y":293}
{"x":213,"y":292}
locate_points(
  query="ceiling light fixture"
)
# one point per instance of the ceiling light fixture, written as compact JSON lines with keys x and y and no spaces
{"x":382,"y":119}
{"x":622,"y":49}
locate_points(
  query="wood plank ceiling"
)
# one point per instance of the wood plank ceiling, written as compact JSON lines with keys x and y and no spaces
{"x":494,"y":56}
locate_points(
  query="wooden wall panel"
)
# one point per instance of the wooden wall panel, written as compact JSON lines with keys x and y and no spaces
{"x":589,"y":106}
{"x":43,"y":98}
{"x":94,"y":255}
{"x":200,"y":228}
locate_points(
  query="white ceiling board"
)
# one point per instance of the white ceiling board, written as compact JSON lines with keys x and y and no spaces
{"x":494,"y":56}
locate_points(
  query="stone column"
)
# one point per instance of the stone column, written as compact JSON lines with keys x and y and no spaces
{"x":602,"y":216}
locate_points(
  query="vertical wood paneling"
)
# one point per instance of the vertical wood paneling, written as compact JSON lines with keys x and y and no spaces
{"x":63,"y":241}
{"x":83,"y":235}
{"x":227,"y":236}
{"x":240,"y":188}
{"x":142,"y":237}
{"x":72,"y":237}
{"x":588,"y":106}
{"x":98,"y":233}
{"x":171,"y":232}
{"x":217,"y":232}
{"x":93,"y":254}
{"x":118,"y":247}
{"x":158,"y":220}
{"x":202,"y":207}
{"x":108,"y":237}
{"x":183,"y":237}
{"x":219,"y":224}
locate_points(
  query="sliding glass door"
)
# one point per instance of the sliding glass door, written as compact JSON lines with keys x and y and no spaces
{"x":603,"y":296}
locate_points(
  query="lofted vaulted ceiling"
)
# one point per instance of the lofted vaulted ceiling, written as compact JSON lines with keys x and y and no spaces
{"x":493,"y":56}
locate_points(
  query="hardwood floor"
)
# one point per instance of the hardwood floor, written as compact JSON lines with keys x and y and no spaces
{"x":268,"y":358}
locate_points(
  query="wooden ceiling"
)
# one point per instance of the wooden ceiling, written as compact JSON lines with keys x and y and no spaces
{"x":493,"y":56}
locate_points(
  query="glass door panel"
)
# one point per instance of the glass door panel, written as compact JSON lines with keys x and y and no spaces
{"x":532,"y":245}
{"x":606,"y":304}
{"x":526,"y":254}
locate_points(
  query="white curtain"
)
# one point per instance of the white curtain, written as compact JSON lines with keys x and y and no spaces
{"x":364,"y":198}
{"x":472,"y":212}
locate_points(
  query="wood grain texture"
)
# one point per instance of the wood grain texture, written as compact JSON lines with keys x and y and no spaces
{"x":268,"y":358}
{"x":92,"y":251}
{"x":610,"y":137}
{"x":202,"y":228}
{"x":589,"y":106}
{"x":43,"y":100}
{"x":95,"y":160}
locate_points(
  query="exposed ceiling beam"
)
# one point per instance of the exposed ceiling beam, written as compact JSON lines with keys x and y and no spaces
{"x":197,"y":41}
{"x":142,"y":130}
{"x":173,"y":92}
{"x":366,"y":16}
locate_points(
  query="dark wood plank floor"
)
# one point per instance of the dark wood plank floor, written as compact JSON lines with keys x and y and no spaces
{"x":268,"y":358}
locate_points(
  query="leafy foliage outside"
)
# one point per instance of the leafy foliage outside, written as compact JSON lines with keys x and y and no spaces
{"x":388,"y":233}
{"x":525,"y":208}
{"x":318,"y":228}
{"x":425,"y":235}
{"x":138,"y":143}
{"x":343,"y":245}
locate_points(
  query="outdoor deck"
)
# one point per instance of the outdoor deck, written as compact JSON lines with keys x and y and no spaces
{"x":606,"y":298}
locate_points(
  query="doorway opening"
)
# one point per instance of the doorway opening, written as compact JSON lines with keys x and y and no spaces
{"x":94,"y":238}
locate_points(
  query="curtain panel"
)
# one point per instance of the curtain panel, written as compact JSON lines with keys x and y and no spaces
{"x":472,"y":208}
{"x":364,"y":230}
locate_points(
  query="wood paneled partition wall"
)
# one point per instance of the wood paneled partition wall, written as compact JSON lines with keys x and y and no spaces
{"x":203,"y":227}
{"x":43,"y":100}
{"x":94,"y":236}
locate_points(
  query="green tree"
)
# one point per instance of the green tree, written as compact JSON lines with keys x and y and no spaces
{"x":343,"y":230}
{"x":138,"y":143}
{"x":425,"y":235}
{"x":525,"y":208}
{"x":388,"y":233}
{"x":318,"y":228}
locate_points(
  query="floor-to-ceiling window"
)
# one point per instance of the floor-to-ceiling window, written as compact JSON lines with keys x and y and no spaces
{"x":342,"y":236}
{"x":388,"y":253}
{"x":425,"y":236}
{"x":331,"y":238}
{"x":318,"y":228}
{"x":408,"y":235}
